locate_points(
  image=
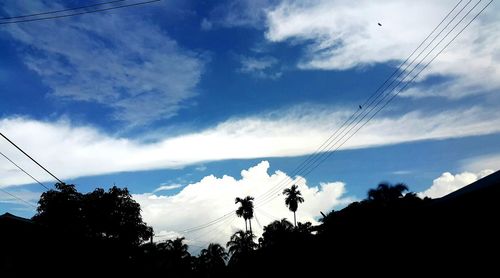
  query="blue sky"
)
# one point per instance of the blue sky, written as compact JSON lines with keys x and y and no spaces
{"x":188,"y":95}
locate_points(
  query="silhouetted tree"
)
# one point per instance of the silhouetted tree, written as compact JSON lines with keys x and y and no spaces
{"x":101,"y":228}
{"x":386,"y":193}
{"x":276,"y":231}
{"x":115,"y":215}
{"x":62,"y":209}
{"x":240,"y":246}
{"x":212,"y":260}
{"x":292,"y":200}
{"x":174,"y":257}
{"x":245,"y":210}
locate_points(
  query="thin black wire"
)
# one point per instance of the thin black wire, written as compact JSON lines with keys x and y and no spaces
{"x":61,"y":11}
{"x":327,"y":154}
{"x":323,"y":156}
{"x":80,"y":13}
{"x":18,"y":198}
{"x":208,"y":224}
{"x":32,"y":159}
{"x":321,"y":150}
{"x":406,"y":84}
{"x":24,"y":171}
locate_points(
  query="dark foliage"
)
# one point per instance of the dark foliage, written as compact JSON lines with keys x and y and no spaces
{"x":389,"y":233}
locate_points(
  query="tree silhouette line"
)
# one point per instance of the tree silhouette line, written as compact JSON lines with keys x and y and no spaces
{"x":102,"y":232}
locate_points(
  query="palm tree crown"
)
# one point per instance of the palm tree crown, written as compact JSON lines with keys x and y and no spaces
{"x":214,"y":256}
{"x":292,"y":200}
{"x":385,"y":192}
{"x":245,"y":210}
{"x":241,"y":245}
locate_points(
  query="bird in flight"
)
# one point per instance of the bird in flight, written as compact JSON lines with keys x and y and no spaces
{"x":379,"y":24}
{"x":360,"y":106}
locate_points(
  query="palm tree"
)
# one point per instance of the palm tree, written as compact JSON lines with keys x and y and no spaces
{"x":213,"y":259}
{"x":245,"y":210}
{"x":292,"y":200}
{"x":240,"y":245}
{"x":385,"y":192}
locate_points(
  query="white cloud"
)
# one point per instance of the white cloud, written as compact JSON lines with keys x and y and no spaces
{"x":212,"y":197}
{"x":75,"y":151}
{"x":238,"y":13}
{"x":26,"y":195}
{"x":261,"y":67}
{"x":167,"y":187}
{"x":482,"y":162}
{"x":201,"y":168}
{"x":344,"y":34}
{"x":448,"y":183}
{"x":118,"y":60}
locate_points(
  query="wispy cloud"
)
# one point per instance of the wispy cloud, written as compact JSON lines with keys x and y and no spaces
{"x":77,"y":151}
{"x":167,"y":187}
{"x":238,"y":13}
{"x":261,"y":67}
{"x":118,"y":60}
{"x":491,"y":161}
{"x":350,"y":37}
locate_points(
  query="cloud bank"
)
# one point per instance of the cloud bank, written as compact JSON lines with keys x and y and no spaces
{"x":75,"y":151}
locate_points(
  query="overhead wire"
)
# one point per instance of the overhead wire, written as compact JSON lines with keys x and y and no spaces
{"x":32,"y":159}
{"x":378,"y":92}
{"x":327,"y":152}
{"x":80,"y":13}
{"x":18,"y":198}
{"x":407,"y":82}
{"x":322,"y":148}
{"x":61,"y":11}
{"x":24,"y":171}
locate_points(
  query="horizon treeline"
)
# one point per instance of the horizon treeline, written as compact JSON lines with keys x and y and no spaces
{"x":102,"y":232}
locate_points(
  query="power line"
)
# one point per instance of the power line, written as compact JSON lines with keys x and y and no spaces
{"x":324,"y":151}
{"x":208,"y":224}
{"x":32,"y":159}
{"x":405,"y":85}
{"x":64,"y":10}
{"x":16,"y":197}
{"x":80,"y":13}
{"x":24,"y":171}
{"x":322,"y":148}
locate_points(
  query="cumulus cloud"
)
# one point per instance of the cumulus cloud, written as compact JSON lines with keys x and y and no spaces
{"x":212,"y":197}
{"x":75,"y":151}
{"x":343,"y":34}
{"x":448,"y":183}
{"x":118,"y":60}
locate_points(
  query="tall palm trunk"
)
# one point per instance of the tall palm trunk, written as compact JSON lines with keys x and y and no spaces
{"x":250,"y":222}
{"x":246,"y":228}
{"x":294,"y":220}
